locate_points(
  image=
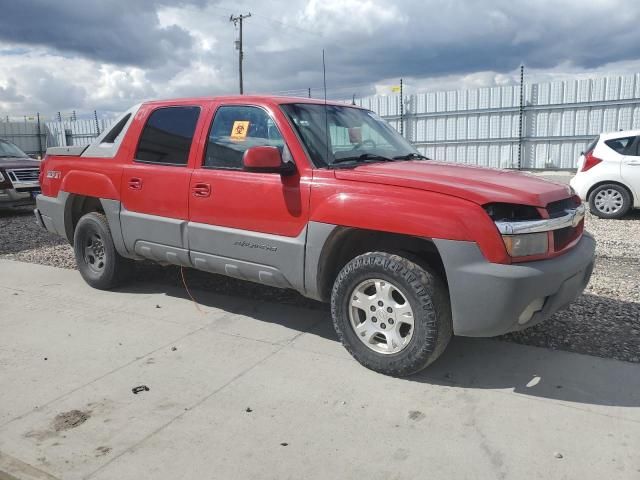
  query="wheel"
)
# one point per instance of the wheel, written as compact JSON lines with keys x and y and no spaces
{"x":99,"y":263}
{"x":391,"y":314}
{"x":610,"y":201}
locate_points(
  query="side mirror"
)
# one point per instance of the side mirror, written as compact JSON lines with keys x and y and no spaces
{"x":266,"y":159}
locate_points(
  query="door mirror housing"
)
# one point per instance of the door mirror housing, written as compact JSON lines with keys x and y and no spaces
{"x":266,"y":159}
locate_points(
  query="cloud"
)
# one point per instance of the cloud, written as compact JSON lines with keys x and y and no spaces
{"x":120,"y":32}
{"x":81,"y":54}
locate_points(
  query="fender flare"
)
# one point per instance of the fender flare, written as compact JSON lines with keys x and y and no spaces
{"x":89,"y":184}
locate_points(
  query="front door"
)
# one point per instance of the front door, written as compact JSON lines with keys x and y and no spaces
{"x":630,"y":168}
{"x":250,"y":225}
{"x":155,"y":185}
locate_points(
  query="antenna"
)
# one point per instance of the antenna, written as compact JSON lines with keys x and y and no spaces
{"x":326,"y":114}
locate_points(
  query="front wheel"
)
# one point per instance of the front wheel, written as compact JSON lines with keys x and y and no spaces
{"x":390,"y":313}
{"x":99,"y":263}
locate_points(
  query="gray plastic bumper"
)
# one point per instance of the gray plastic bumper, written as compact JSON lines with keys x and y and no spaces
{"x":489,"y":299}
{"x":11,"y":197}
{"x":50,"y":213}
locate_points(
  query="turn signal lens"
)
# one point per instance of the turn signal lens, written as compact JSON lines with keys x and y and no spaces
{"x":526,"y":244}
{"x":590,"y":161}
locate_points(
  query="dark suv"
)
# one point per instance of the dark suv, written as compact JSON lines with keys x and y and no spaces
{"x":18,"y":176}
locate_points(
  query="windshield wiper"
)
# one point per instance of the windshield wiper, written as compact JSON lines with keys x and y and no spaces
{"x":365,"y":157}
{"x":411,"y":156}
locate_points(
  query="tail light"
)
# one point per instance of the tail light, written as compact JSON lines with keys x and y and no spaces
{"x":590,"y":161}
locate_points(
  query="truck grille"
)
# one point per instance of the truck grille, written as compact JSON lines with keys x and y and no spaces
{"x":564,"y":237}
{"x":557,"y":209}
{"x":24,"y":175}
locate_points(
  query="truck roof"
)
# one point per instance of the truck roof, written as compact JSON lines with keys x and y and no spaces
{"x":273,"y":99}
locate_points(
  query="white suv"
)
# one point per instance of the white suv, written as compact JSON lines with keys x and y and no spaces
{"x":608,"y":174}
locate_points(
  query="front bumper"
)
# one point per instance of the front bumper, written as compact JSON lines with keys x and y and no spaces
{"x":10,"y":198}
{"x":489,"y":299}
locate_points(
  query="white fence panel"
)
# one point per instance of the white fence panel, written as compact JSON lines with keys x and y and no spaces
{"x":482,"y":126}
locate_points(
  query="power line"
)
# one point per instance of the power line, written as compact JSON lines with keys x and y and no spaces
{"x":237,"y":20}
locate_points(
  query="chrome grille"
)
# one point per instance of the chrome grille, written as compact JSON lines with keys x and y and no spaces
{"x":24,"y":175}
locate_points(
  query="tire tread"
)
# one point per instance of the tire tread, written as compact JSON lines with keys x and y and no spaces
{"x":433,"y":300}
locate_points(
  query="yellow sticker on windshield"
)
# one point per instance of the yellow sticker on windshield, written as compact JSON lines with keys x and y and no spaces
{"x":239,"y":130}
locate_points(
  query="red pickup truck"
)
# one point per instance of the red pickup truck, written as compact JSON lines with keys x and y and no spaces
{"x":329,"y":200}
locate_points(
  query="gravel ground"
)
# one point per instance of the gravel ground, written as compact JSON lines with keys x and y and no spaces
{"x":605,"y":321}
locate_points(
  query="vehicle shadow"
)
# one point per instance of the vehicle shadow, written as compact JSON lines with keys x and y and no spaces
{"x":534,"y":371}
{"x":467,"y":363}
{"x":633,"y":214}
{"x":19,"y":211}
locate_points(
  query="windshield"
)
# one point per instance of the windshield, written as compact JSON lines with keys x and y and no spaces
{"x":10,"y":150}
{"x":355,"y":135}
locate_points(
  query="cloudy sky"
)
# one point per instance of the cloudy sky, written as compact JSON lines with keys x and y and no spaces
{"x":61,"y":55}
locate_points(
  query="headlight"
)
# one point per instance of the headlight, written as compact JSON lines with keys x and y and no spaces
{"x":1,"y":177}
{"x":527,"y":244}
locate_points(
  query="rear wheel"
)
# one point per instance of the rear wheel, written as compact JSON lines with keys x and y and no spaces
{"x":99,"y":263}
{"x":610,"y":201}
{"x":390,"y":313}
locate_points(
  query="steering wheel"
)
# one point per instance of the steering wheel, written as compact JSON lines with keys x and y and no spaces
{"x":366,"y":141}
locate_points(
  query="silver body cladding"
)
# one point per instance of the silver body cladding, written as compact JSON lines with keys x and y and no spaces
{"x":279,"y":261}
{"x":487,"y":299}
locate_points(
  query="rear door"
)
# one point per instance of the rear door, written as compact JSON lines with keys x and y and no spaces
{"x":155,"y":184}
{"x":630,"y":168}
{"x":247,"y":224}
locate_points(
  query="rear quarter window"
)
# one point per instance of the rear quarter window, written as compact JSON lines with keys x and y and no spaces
{"x":620,"y":145}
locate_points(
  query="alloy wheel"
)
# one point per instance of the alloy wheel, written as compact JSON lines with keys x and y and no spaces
{"x":381,"y":316}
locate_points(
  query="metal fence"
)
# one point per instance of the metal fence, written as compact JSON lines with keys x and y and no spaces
{"x":544,"y":128}
{"x":483,"y":126}
{"x":33,"y":137}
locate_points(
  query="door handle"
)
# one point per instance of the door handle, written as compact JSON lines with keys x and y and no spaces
{"x":634,"y":163}
{"x":202,"y":190}
{"x":135,"y":183}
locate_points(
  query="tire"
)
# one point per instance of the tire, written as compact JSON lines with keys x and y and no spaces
{"x":610,"y":201}
{"x":360,"y":287}
{"x":99,"y":263}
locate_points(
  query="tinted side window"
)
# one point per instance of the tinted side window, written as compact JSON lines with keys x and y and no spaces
{"x":620,"y":144}
{"x":234,"y":130}
{"x":167,"y":136}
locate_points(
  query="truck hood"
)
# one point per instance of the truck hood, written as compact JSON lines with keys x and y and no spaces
{"x":18,"y":163}
{"x":477,"y":184}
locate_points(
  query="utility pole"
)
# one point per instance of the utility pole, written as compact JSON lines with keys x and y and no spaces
{"x":237,"y":20}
